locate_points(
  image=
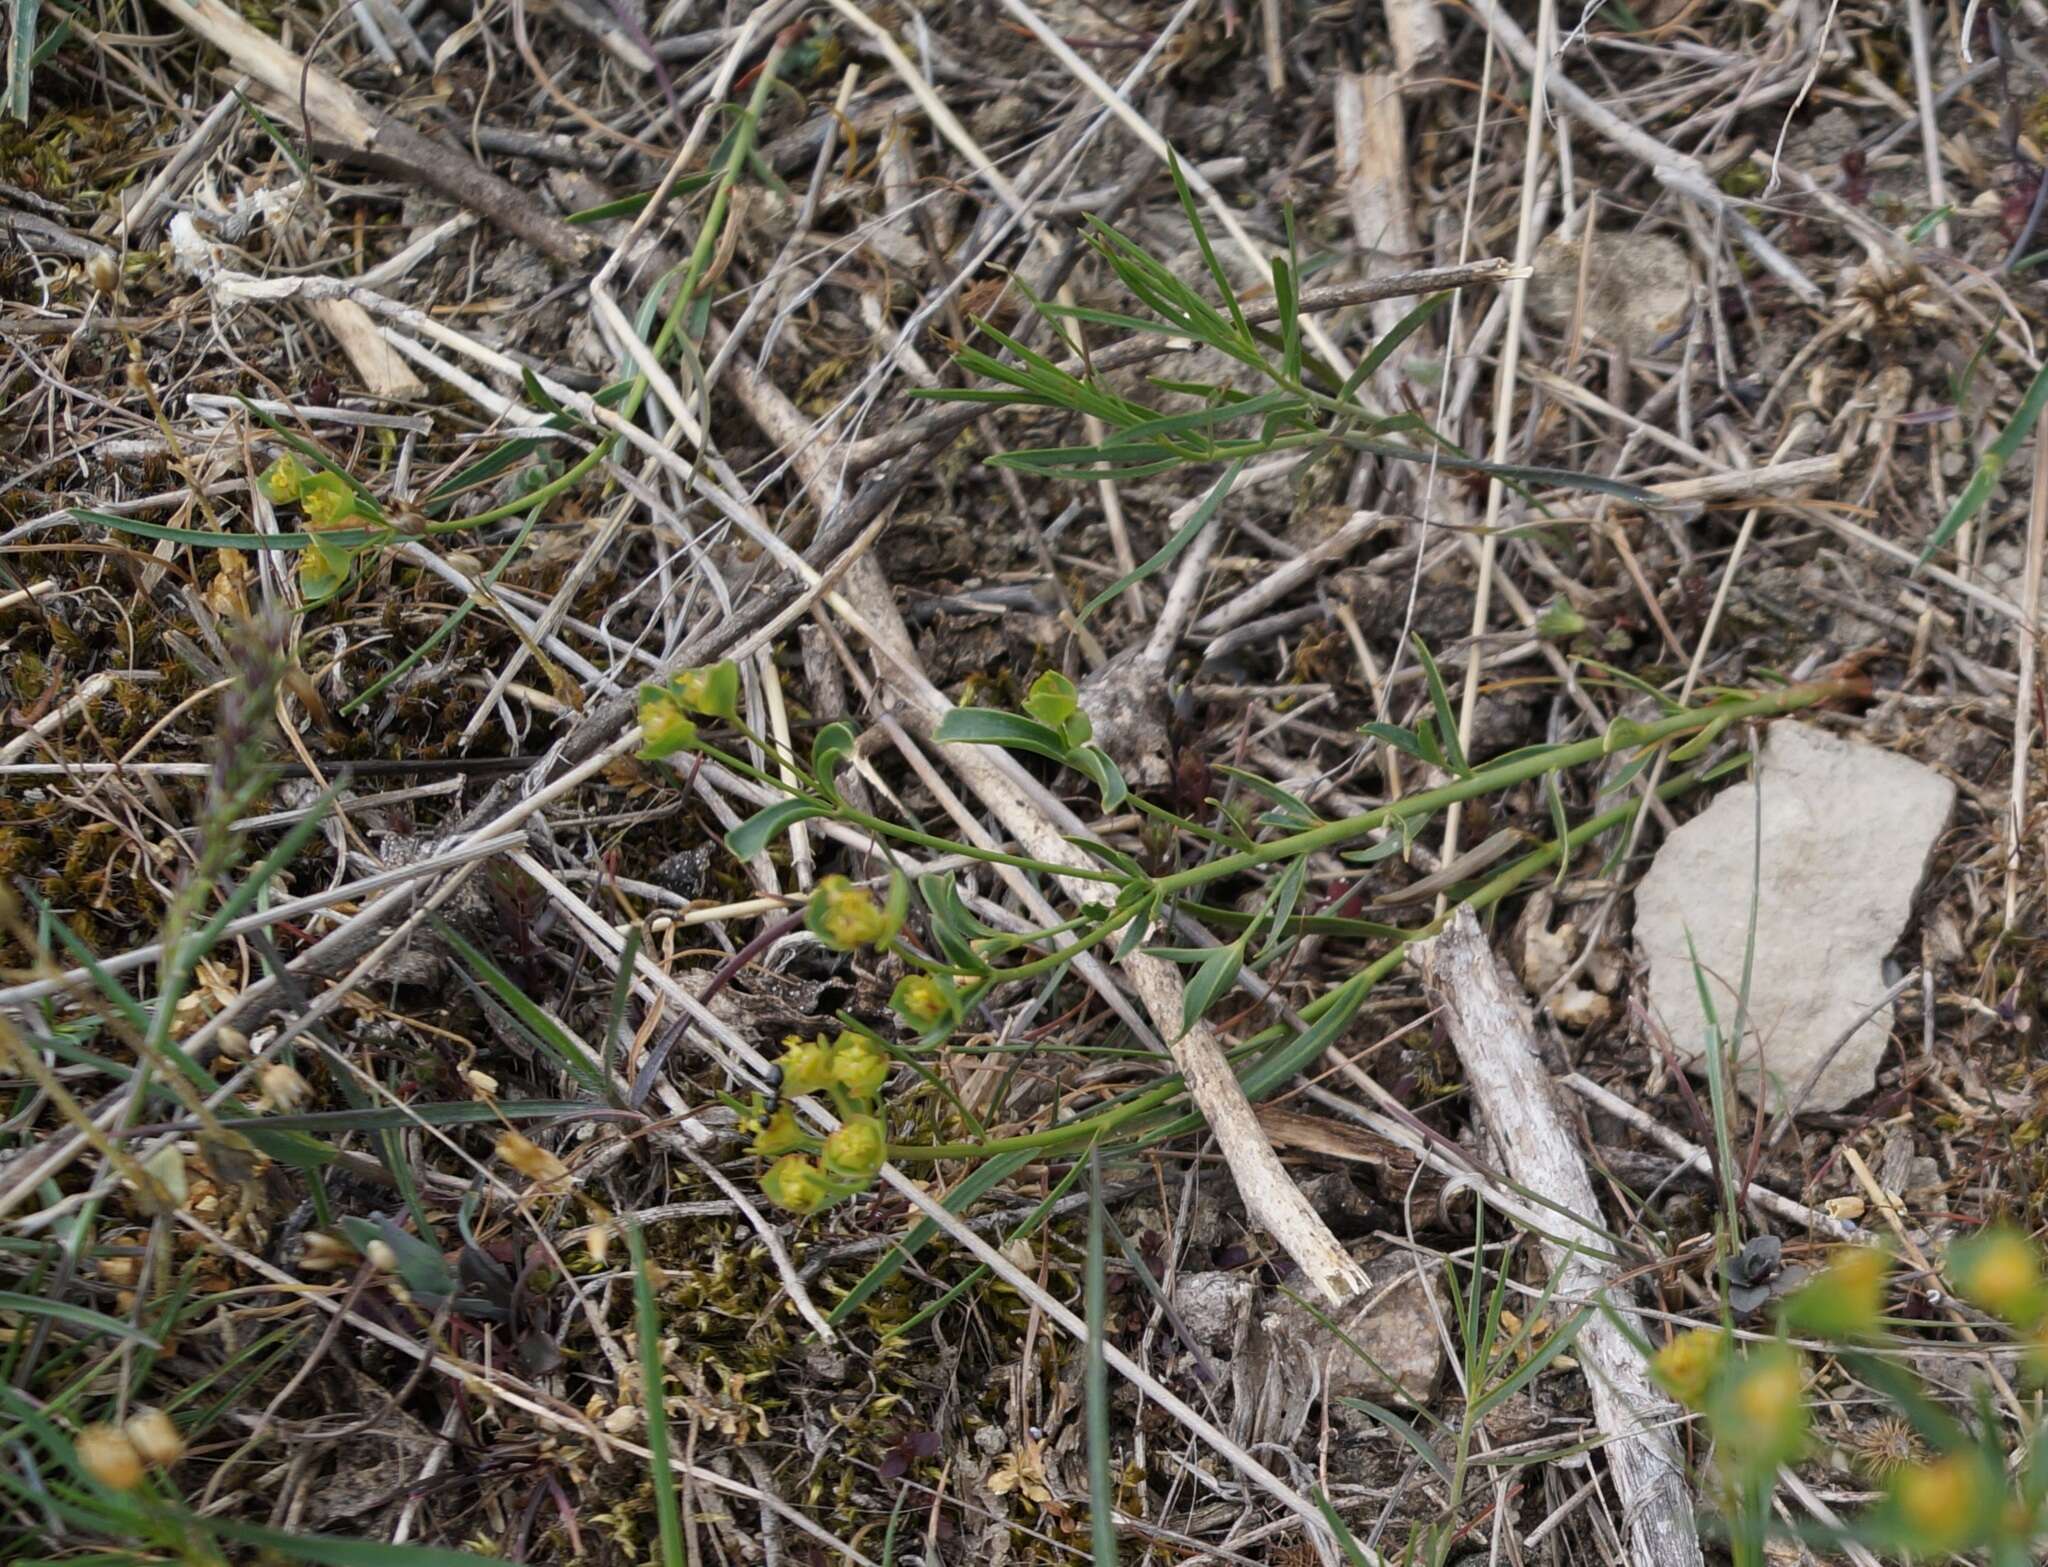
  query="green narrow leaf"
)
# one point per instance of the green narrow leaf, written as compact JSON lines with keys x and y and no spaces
{"x":460,"y":1112}
{"x":984,"y":1176}
{"x":1135,"y":932}
{"x":1354,"y":1553}
{"x":538,"y":396}
{"x":572,"y":1055}
{"x":1528,"y":1370}
{"x":325,"y":1550}
{"x":1291,"y":811}
{"x":1627,"y":774}
{"x":753,"y":835}
{"x":1217,"y":974}
{"x":1440,"y":700}
{"x":1400,"y":739}
{"x":1102,"y":772}
{"x":1206,"y":418}
{"x":993,"y":726}
{"x":1991,"y":465}
{"x":1560,"y":824}
{"x":831,"y":746}
{"x":615,"y":1014}
{"x":1385,"y":348}
{"x":647,"y":1328}
{"x":76,"y":1316}
{"x":1170,"y":551}
{"x":1216,"y":272}
{"x":1286,"y":896}
{"x":21,"y":56}
{"x":1095,"y":1382}
{"x":216,"y":540}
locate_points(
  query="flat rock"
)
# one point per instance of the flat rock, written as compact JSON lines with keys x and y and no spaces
{"x":1638,"y":286}
{"x":1847,"y":831}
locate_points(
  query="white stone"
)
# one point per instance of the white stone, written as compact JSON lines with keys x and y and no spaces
{"x":1847,"y":830}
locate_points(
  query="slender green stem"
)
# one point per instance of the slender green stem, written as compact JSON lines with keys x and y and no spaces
{"x":1281,"y":1066}
{"x":1491,"y":780}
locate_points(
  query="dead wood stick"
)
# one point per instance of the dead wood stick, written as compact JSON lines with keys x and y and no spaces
{"x":1416,"y":30}
{"x":1489,"y":1024}
{"x":332,"y":109}
{"x":1373,"y":172}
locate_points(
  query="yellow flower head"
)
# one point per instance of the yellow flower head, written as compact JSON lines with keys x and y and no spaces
{"x":806,"y":1065}
{"x":858,"y":1065}
{"x":1686,"y":1365}
{"x":844,"y":916}
{"x":155,"y":1437}
{"x":282,"y":1086}
{"x":1758,"y":1410}
{"x":1946,"y":1505}
{"x":921,"y":1000}
{"x":105,"y":1453}
{"x":283,"y":480}
{"x":856,"y":1151}
{"x":711,"y":689}
{"x":2000,"y":1270}
{"x":327,"y":499}
{"x":1845,"y":1300}
{"x":795,"y":1183}
{"x":666,"y":727}
{"x":533,"y":1161}
{"x":780,"y":1135}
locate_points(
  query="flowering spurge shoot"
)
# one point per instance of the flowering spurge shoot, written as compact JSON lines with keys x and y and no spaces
{"x":331,"y":505}
{"x":1845,"y":1300}
{"x":2000,"y":1270}
{"x":846,"y":917}
{"x":668,"y":712}
{"x":811,"y":1173}
{"x":928,"y":1003}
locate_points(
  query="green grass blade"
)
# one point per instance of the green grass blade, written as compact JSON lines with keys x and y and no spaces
{"x":341,"y":538}
{"x":76,"y":1316}
{"x":1095,"y":1384}
{"x":1171,"y":550}
{"x":575,"y":1058}
{"x":21,"y":56}
{"x":647,"y":1328}
{"x":1991,"y":465}
{"x":983,"y":1178}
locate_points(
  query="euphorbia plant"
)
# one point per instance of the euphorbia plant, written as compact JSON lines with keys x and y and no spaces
{"x":953,"y":961}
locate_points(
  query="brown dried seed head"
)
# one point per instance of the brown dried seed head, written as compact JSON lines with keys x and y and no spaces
{"x":155,"y":1436}
{"x":283,"y":1087}
{"x":532,"y":1161}
{"x":106,"y":1453}
{"x":320,"y":1252}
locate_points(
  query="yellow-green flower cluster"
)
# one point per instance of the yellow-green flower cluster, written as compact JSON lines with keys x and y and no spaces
{"x":327,"y":498}
{"x":849,"y":1070}
{"x":925,"y":1001}
{"x":1845,"y":1300}
{"x":846,"y":917}
{"x":2000,"y":1270}
{"x":1755,"y":1403}
{"x":666,"y":721}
